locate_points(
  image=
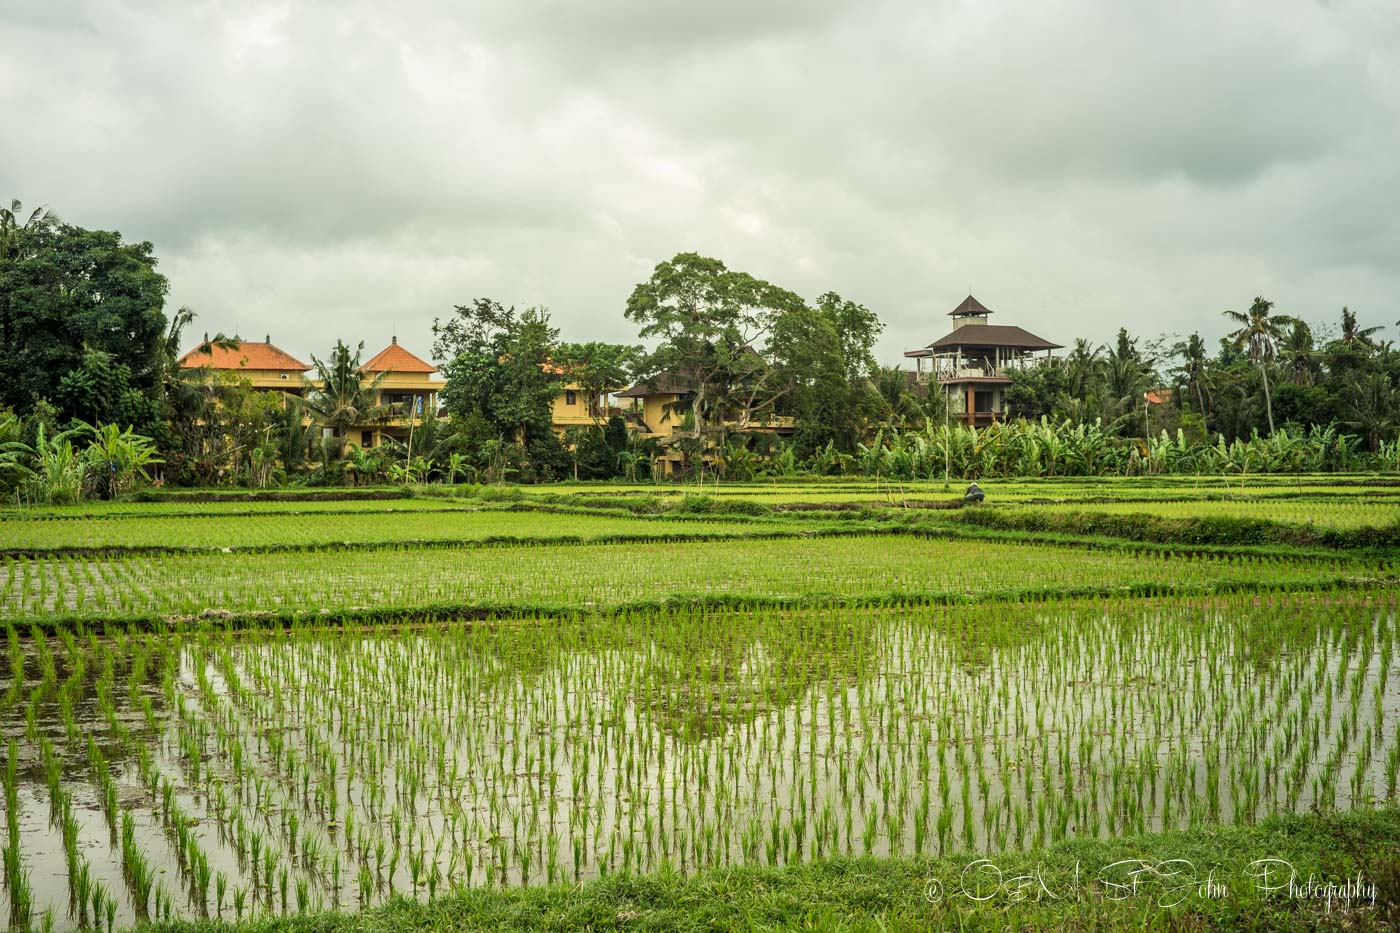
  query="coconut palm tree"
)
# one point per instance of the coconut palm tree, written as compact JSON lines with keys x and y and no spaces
{"x":343,"y":397}
{"x":1083,"y":366}
{"x":1374,"y":406}
{"x":12,"y":229}
{"x":1128,"y":376}
{"x":1351,"y":333}
{"x":1193,"y":370}
{"x":906,"y":409}
{"x":1298,"y":351}
{"x":1259,"y":332}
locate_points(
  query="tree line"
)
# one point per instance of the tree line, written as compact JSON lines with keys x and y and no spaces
{"x":94,"y":397}
{"x":1269,"y":372}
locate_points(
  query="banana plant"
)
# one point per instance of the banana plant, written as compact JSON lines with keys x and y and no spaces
{"x":59,"y":470}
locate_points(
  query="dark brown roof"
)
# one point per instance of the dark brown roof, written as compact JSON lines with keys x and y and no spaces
{"x":970,"y":305}
{"x":993,"y":335}
{"x":660,"y":384}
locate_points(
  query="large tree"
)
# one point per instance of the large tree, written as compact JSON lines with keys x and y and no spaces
{"x":714,"y":328}
{"x":500,"y":369}
{"x":1259,"y":334}
{"x":16,"y":234}
{"x":824,"y":356}
{"x":83,"y":323}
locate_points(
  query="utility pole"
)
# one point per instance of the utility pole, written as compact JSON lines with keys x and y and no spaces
{"x":947,"y":442}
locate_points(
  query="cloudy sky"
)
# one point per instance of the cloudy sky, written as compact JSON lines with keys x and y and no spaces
{"x":347,"y":168}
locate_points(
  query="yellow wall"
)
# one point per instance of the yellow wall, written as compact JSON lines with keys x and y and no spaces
{"x":279,"y":380}
{"x":565,"y":415}
{"x":661,"y":419}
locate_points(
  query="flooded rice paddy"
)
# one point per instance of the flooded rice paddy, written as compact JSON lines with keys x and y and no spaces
{"x":237,"y":773}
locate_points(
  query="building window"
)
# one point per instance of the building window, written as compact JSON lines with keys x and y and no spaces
{"x":570,"y":397}
{"x":366,"y":438}
{"x":982,"y":401}
{"x":283,"y":376}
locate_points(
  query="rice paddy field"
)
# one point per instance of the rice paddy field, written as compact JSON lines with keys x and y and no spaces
{"x":243,"y":709}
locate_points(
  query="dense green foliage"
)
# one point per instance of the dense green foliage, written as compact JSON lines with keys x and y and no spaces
{"x":501,"y":381}
{"x":82,"y":323}
{"x":344,"y":396}
{"x":1271,"y":367}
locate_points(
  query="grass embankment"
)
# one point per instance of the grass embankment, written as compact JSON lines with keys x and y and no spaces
{"x":1127,"y":883}
{"x":1205,"y":530}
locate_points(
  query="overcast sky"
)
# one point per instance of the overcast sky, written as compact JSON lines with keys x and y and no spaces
{"x":347,"y":168}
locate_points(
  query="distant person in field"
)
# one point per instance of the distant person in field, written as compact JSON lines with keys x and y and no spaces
{"x":974,"y":494}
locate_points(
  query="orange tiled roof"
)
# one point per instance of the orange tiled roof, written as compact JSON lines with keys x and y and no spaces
{"x":248,"y":355}
{"x":395,"y":358}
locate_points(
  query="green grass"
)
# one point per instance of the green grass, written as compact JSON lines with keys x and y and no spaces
{"x":892,"y":894}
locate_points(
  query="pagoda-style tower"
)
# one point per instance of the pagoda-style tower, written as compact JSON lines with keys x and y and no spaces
{"x":972,"y":363}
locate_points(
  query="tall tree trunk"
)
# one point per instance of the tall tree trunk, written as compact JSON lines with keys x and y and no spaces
{"x":697,"y":408}
{"x":1268,"y":402}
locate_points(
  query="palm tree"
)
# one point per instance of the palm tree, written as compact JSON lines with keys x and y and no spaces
{"x":13,"y":233}
{"x":1193,"y":369}
{"x":1374,"y":406}
{"x":1128,"y":378}
{"x":1259,"y":331}
{"x":1083,"y":366}
{"x":906,"y":408}
{"x":1298,"y":350}
{"x":1352,"y":334}
{"x":343,"y":397}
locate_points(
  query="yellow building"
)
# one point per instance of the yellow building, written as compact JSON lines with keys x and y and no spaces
{"x":572,"y":408}
{"x":660,"y":409}
{"x":409,"y":390}
{"x":659,"y":405}
{"x":576,"y":407}
{"x":265,"y":366}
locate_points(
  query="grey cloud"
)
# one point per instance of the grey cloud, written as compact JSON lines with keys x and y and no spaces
{"x":334,"y":169}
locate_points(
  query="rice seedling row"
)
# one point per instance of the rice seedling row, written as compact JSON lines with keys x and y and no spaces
{"x":603,"y":575}
{"x":204,"y":772}
{"x":313,"y":529}
{"x":1333,"y":513}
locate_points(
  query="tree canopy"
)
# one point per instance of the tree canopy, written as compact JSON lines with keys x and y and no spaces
{"x":714,"y":327}
{"x":499,"y":367}
{"x":82,"y":323}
